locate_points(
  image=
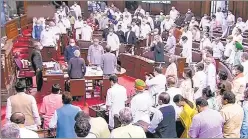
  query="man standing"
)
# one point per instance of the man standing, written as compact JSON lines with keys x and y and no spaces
{"x":244,"y":59}
{"x":201,"y":126}
{"x":130,"y":38}
{"x":210,"y":71}
{"x":108,"y":62}
{"x":163,"y":123}
{"x":239,"y":82}
{"x":69,"y":50}
{"x":115,"y":100}
{"x":218,"y":48}
{"x":141,"y":103}
{"x":127,"y":130}
{"x":19,"y":118}
{"x":76,"y":66}
{"x":86,"y":32}
{"x":77,"y":9}
{"x":113,"y":41}
{"x":156,"y":84}
{"x":171,"y":43}
{"x":232,"y":114}
{"x":158,"y":49}
{"x":78,"y":27}
{"x":36,"y":32}
{"x":37,"y":63}
{"x":48,"y":38}
{"x":95,"y":53}
{"x":199,"y":80}
{"x":188,"y":16}
{"x":24,"y":103}
{"x":173,"y":14}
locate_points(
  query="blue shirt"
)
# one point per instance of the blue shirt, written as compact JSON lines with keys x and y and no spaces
{"x":37,"y":31}
{"x":69,"y":52}
{"x":244,"y":128}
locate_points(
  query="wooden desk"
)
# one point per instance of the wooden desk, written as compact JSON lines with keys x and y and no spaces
{"x":7,"y":71}
{"x":49,"y":53}
{"x":136,"y":66}
{"x":23,"y":22}
{"x":11,"y":28}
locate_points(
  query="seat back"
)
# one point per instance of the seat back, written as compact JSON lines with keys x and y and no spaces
{"x":77,"y":87}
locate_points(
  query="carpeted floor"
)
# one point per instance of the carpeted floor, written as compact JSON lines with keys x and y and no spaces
{"x":21,"y":45}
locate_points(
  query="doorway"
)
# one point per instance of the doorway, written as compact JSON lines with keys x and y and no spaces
{"x":219,"y":4}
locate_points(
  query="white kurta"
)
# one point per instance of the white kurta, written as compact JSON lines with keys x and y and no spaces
{"x":228,"y":49}
{"x":116,"y":98}
{"x":77,"y":10}
{"x":219,"y":17}
{"x":245,"y":72}
{"x":166,"y":25}
{"x":199,"y":80}
{"x":240,"y":25}
{"x":67,"y":23}
{"x":238,"y":38}
{"x":145,"y":30}
{"x":136,"y":29}
{"x":140,"y":106}
{"x":172,"y":91}
{"x":113,"y":41}
{"x":192,"y":24}
{"x":173,"y":14}
{"x":156,"y":85}
{"x":205,"y":43}
{"x":171,"y":70}
{"x":48,"y":38}
{"x":218,"y":50}
{"x":56,"y":31}
{"x":230,"y":20}
{"x":211,"y":76}
{"x":204,"y":22}
{"x":62,"y":27}
{"x":78,"y":27}
{"x":238,"y":89}
{"x":187,"y":51}
{"x":86,"y":32}
{"x":150,"y":20}
{"x":187,"y":90}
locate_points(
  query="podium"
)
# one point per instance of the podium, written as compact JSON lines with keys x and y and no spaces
{"x":139,"y":48}
{"x":49,"y":54}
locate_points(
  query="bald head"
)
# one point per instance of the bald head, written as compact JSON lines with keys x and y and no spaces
{"x":18,"y":118}
{"x":164,"y":98}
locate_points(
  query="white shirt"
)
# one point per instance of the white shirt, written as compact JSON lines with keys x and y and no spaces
{"x":86,"y":33}
{"x":113,"y":41}
{"x":62,"y":27}
{"x":136,"y":30}
{"x":199,"y":80}
{"x":26,"y":133}
{"x":150,"y":20}
{"x":56,"y":30}
{"x":35,"y":112}
{"x":219,"y":17}
{"x":187,"y":51}
{"x":172,"y":91}
{"x":54,"y":119}
{"x":116,"y":98}
{"x":48,"y":38}
{"x":156,"y":85}
{"x":238,"y":38}
{"x":173,"y":14}
{"x":166,"y":25}
{"x":142,"y":11}
{"x":205,"y":43}
{"x":77,"y":10}
{"x":193,"y":23}
{"x":141,"y":107}
{"x":241,"y":25}
{"x":218,"y":50}
{"x":145,"y":29}
{"x":66,"y":22}
{"x":204,"y":22}
{"x":211,"y":76}
{"x":228,"y":49}
{"x":245,"y":72}
{"x":230,"y":19}
{"x":78,"y":25}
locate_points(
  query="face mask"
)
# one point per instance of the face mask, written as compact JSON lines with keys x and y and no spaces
{"x":234,"y":72}
{"x":72,"y":44}
{"x":170,"y":34}
{"x":47,"y":29}
{"x":111,"y":33}
{"x":189,"y":11}
{"x":85,"y":25}
{"x":161,"y":13}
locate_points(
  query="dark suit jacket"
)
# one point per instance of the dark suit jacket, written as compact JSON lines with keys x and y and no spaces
{"x":69,"y":52}
{"x":157,"y":25}
{"x":76,"y":68}
{"x":121,"y":36}
{"x":105,"y":33}
{"x":36,"y":59}
{"x":131,"y":39}
{"x":158,"y":51}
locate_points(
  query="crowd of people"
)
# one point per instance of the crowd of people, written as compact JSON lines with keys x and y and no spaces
{"x":204,"y":104}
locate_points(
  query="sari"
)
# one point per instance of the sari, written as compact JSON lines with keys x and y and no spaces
{"x":186,"y":119}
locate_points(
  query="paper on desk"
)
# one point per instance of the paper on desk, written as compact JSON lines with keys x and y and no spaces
{"x":49,"y":64}
{"x":93,"y":72}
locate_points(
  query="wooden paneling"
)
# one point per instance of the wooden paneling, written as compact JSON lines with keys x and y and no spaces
{"x":23,"y":22}
{"x":11,"y":28}
{"x":239,"y":9}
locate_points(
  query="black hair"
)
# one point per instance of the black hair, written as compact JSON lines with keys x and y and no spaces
{"x":177,"y":98}
{"x":239,"y":68}
{"x":113,"y":78}
{"x":200,"y":66}
{"x":158,"y":70}
{"x":66,"y":98}
{"x":223,"y":75}
{"x":81,"y":115}
{"x":17,"y":118}
{"x":189,"y":74}
{"x":20,"y":86}
{"x":229,"y":96}
{"x":201,"y":102}
{"x":184,"y":38}
{"x":207,"y":92}
{"x":213,"y":16}
{"x":55,"y":88}
{"x":164,"y":97}
{"x":82,"y":127}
